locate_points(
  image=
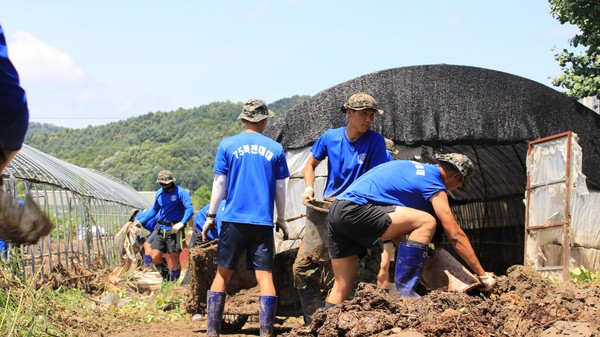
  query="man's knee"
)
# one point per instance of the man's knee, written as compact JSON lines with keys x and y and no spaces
{"x":428,"y":224}
{"x":157,"y":256}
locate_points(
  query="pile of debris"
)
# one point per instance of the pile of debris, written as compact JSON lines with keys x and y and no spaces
{"x":522,"y":304}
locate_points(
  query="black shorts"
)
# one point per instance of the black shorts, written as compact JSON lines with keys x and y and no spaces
{"x":167,"y":242}
{"x":257,"y":241}
{"x":353,"y":228}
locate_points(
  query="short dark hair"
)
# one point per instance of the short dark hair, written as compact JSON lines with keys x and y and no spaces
{"x":448,"y":167}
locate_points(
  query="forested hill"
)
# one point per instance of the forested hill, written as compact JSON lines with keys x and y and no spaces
{"x":135,"y":149}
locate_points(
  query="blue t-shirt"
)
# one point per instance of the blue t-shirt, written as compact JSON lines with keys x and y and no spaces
{"x":170,"y":207}
{"x":399,"y":182}
{"x":14,"y":114}
{"x":348,"y":160}
{"x":150,"y":223}
{"x":200,"y":219}
{"x":252,"y":163}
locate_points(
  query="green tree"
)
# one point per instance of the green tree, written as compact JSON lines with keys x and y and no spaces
{"x":135,"y":149}
{"x":201,"y":197}
{"x":581,"y":71}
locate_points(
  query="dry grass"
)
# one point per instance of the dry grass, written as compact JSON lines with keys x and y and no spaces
{"x":80,"y":302}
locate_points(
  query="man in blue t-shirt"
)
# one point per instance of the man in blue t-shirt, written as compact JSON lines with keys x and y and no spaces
{"x":150,"y":226}
{"x":391,"y":201}
{"x":200,"y":220}
{"x":172,"y":209}
{"x":252,"y":169}
{"x":351,"y":151}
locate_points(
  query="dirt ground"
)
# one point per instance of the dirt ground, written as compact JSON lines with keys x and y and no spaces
{"x":198,"y":328}
{"x":522,"y":304}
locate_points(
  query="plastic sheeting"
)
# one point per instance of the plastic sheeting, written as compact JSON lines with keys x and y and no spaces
{"x":294,"y":208}
{"x":35,"y":166}
{"x":549,"y":204}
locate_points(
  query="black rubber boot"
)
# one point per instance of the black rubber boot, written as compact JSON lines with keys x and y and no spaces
{"x":163,"y":269}
{"x":311,"y":301}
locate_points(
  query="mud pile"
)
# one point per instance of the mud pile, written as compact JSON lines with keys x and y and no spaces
{"x":522,"y":304}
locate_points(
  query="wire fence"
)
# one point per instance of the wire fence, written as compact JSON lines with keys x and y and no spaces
{"x":86,"y":207}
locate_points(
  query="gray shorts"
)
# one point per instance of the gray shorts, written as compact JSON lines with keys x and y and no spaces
{"x":151,"y":237}
{"x":353,"y":228}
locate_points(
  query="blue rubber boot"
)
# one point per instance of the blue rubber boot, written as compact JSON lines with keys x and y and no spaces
{"x":148,"y":262}
{"x":409,"y":266}
{"x":174,"y":275}
{"x":215,"y":303}
{"x":268,"y":306}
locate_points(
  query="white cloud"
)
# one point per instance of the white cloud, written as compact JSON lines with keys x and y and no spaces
{"x":38,"y":62}
{"x":58,"y":91}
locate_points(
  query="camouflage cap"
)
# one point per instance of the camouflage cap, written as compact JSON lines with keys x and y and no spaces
{"x":255,"y":110}
{"x":361,"y":101}
{"x":132,"y":213}
{"x":390,"y":146}
{"x":165,"y":177}
{"x":461,"y":162}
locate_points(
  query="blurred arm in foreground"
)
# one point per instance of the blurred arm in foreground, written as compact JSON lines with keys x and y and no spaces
{"x":18,"y":224}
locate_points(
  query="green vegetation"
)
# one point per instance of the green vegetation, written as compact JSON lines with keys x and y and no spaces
{"x":164,"y":306}
{"x":582,"y":275}
{"x":581,"y":71}
{"x":30,"y":309}
{"x":134,"y":150}
{"x":25,"y":308}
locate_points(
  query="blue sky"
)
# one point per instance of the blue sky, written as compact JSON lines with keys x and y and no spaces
{"x":92,"y":62}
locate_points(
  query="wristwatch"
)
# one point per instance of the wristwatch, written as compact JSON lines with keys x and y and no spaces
{"x":210,"y":215}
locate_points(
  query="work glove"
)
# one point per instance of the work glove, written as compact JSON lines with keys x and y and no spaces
{"x":208,"y":225}
{"x":488,"y":281}
{"x":176,"y":227}
{"x":137,"y":223}
{"x":309,"y":194}
{"x":280,"y":224}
